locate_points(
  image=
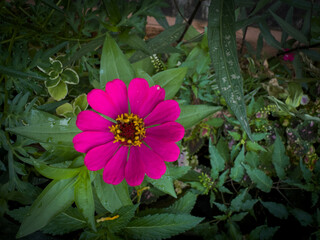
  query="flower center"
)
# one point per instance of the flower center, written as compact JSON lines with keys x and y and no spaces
{"x":129,"y":130}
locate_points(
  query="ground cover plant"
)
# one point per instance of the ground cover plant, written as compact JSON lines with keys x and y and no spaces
{"x":106,"y":134}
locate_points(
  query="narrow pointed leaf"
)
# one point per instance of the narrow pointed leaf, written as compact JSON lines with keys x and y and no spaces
{"x":223,"y":52}
{"x":55,"y":198}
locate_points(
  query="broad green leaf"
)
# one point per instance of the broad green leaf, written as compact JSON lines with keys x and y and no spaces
{"x":112,"y":197}
{"x":81,"y":102}
{"x":126,"y":213}
{"x":258,"y":177}
{"x":55,"y":198}
{"x":83,"y":197}
{"x":192,"y":114}
{"x":242,"y":202}
{"x":293,"y":32}
{"x":52,"y":82}
{"x":295,"y":94}
{"x":55,"y":172}
{"x":279,"y":158}
{"x":160,"y":226}
{"x":237,"y":171}
{"x":47,"y":128}
{"x":183,"y":205}
{"x":239,"y":216}
{"x":216,"y":160}
{"x":276,"y":209}
{"x":223,"y":52}
{"x":65,"y":110}
{"x":114,"y":64}
{"x":303,"y":217}
{"x":70,"y":76}
{"x":164,"y":184}
{"x":269,"y":38}
{"x":170,"y":80}
{"x":58,"y":92}
{"x":65,"y":222}
{"x":263,"y":232}
{"x":142,"y":74}
{"x":254,"y":146}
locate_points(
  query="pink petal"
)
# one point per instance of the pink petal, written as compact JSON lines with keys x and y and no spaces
{"x":102,"y":103}
{"x":134,"y":172}
{"x":167,"y":132}
{"x":113,"y":172}
{"x":137,"y":92}
{"x":153,"y":164}
{"x":168,"y":151}
{"x":156,"y":94}
{"x":117,"y":91}
{"x":85,"y":141}
{"x":166,"y":111}
{"x":98,"y":157}
{"x":91,"y":121}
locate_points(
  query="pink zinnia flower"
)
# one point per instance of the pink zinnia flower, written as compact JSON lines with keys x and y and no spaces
{"x":141,"y":138}
{"x":288,"y":56}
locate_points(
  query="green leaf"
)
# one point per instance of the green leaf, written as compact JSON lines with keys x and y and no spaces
{"x":170,"y":80}
{"x":258,"y":177}
{"x":266,"y":33}
{"x":112,"y":197}
{"x":52,"y":82}
{"x":81,"y":102}
{"x":295,"y":94}
{"x":239,"y":216}
{"x":293,"y":32}
{"x":164,"y":184}
{"x":65,"y":222}
{"x":55,"y":172}
{"x":84,"y":197}
{"x":15,"y":73}
{"x":55,"y":198}
{"x":216,"y":160}
{"x":114,"y":64}
{"x":223,"y":52}
{"x":242,"y":202}
{"x":237,"y":171}
{"x":70,"y":76}
{"x":161,"y":226}
{"x":65,"y":110}
{"x":183,"y":205}
{"x":261,"y":4}
{"x":192,"y":114}
{"x":263,"y":232}
{"x":303,"y":217}
{"x":49,"y":129}
{"x":58,"y":92}
{"x":306,"y":173}
{"x":279,"y":158}
{"x":254,"y":146}
{"x":276,"y":209}
{"x":126,"y":213}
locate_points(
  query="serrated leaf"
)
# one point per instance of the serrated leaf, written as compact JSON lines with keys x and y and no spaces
{"x":126,"y":213}
{"x":183,"y":205}
{"x":276,"y":209}
{"x":170,"y":80}
{"x":112,"y":197}
{"x":254,"y":146}
{"x":83,"y":197}
{"x":303,"y":217}
{"x":258,"y":177}
{"x":223,"y":52}
{"x":114,"y":64}
{"x":192,"y":114}
{"x":161,"y":226}
{"x":216,"y":160}
{"x":164,"y":184}
{"x":279,"y":158}
{"x":306,"y":173}
{"x":239,"y":216}
{"x":58,"y":92}
{"x":296,"y":34}
{"x":55,"y":198}
{"x":242,"y":202}
{"x":237,"y":171}
{"x":65,"y":222}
